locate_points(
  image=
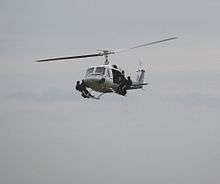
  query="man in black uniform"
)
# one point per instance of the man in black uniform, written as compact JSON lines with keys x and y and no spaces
{"x":122,"y":85}
{"x":78,"y":86}
{"x":129,"y":82}
{"x":82,"y":88}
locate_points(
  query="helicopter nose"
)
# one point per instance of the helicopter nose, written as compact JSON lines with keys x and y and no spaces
{"x":90,"y":82}
{"x":87,"y":81}
{"x":94,"y":82}
{"x":102,"y":80}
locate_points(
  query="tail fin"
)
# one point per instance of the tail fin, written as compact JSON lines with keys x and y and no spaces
{"x":140,"y":73}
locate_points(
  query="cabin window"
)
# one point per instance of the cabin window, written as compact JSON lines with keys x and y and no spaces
{"x":100,"y":70}
{"x":89,"y":71}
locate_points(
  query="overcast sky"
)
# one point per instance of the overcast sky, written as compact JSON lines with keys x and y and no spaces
{"x":167,"y":133}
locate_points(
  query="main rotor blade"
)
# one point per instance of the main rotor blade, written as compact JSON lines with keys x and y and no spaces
{"x":146,"y":44}
{"x":71,"y":57}
{"x":105,"y":52}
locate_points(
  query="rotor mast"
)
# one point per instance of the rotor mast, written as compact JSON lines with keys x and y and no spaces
{"x":105,"y":53}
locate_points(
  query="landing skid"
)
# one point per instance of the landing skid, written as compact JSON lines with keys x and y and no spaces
{"x":89,"y":95}
{"x":116,"y":92}
{"x":98,"y":97}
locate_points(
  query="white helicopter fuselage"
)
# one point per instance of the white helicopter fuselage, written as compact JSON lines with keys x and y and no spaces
{"x":103,"y":78}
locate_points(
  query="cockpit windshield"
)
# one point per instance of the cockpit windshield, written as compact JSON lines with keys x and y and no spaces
{"x":89,"y":71}
{"x":100,"y":71}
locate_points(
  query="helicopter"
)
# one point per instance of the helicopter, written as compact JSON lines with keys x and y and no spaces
{"x":107,"y":78}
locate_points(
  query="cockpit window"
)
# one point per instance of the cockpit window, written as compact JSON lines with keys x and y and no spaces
{"x":100,"y":70}
{"x":89,"y":71}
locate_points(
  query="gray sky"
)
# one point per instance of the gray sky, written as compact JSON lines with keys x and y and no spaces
{"x":167,"y":133}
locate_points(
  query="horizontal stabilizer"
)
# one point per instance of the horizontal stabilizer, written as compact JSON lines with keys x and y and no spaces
{"x":137,"y":85}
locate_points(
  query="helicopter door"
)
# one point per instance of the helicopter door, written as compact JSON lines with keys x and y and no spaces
{"x":116,"y":76}
{"x":108,"y":74}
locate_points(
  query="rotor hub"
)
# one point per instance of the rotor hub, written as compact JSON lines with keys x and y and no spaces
{"x":106,"y":54}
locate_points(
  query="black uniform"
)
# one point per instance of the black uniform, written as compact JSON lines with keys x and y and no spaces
{"x":122,"y":85}
{"x":78,"y":86}
{"x":82,"y":88}
{"x":129,"y":82}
